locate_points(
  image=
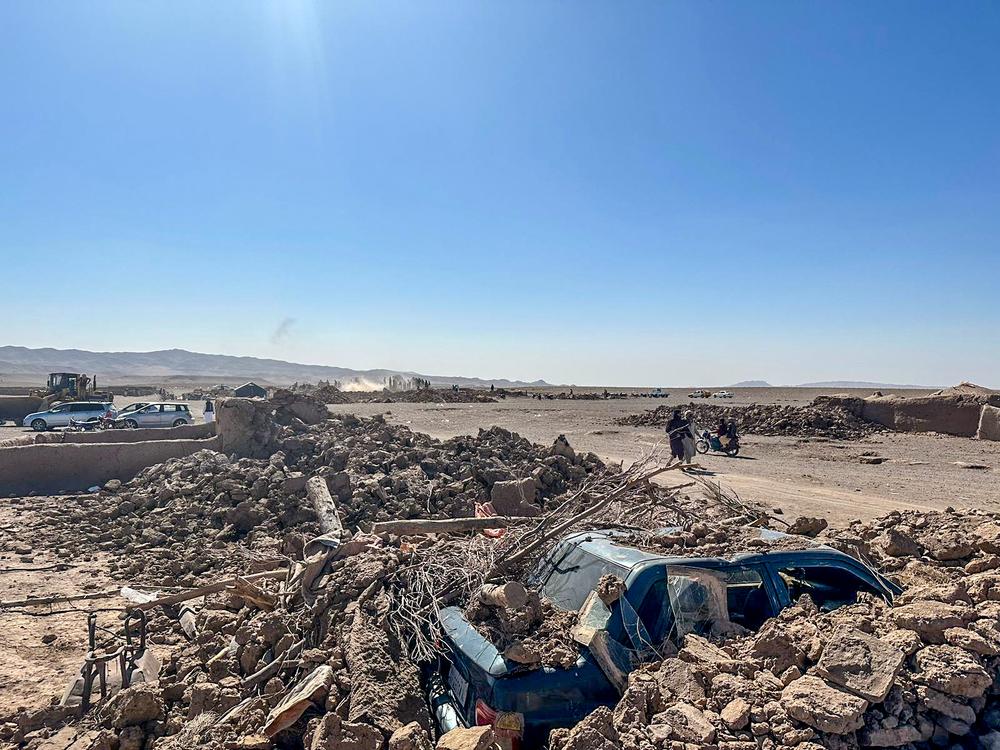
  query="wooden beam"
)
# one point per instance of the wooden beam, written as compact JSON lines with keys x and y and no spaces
{"x":318,"y":492}
{"x":212,"y":588}
{"x":446,"y":525}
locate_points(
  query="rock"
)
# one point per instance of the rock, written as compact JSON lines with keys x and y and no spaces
{"x":515,"y":498}
{"x":410,"y":737}
{"x":944,"y":705}
{"x":49,"y":638}
{"x":895,"y":737}
{"x":474,"y":738}
{"x":610,"y":588}
{"x":334,"y":733}
{"x":822,"y":707}
{"x":860,"y":664}
{"x":807,"y":526}
{"x":896,"y":543}
{"x":133,"y":705}
{"x":595,"y":732}
{"x":700,"y":652}
{"x":951,"y":670}
{"x":736,"y":714}
{"x":561,"y":447}
{"x":684,"y":723}
{"x":873,"y":460}
{"x":677,"y":680}
{"x":929,"y":619}
{"x":970,"y":641}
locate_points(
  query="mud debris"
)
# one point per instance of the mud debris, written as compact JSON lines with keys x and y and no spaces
{"x":815,"y":420}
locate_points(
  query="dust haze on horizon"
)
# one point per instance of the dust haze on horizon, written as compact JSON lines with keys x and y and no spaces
{"x":464,"y":369}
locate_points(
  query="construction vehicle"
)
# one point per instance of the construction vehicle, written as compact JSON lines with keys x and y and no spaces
{"x":71,"y":386}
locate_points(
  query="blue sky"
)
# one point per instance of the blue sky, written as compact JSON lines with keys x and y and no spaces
{"x":609,"y":193}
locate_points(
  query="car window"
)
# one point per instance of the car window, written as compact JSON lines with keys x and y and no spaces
{"x":829,"y":586}
{"x":574,"y":575}
{"x":746,"y":597}
{"x":59,"y":409}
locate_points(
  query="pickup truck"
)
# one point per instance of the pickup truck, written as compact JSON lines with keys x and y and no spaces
{"x":476,"y":686}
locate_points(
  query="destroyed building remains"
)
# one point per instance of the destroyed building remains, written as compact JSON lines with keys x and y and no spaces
{"x":294,"y":594}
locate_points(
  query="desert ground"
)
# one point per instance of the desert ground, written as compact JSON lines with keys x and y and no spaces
{"x":793,"y":476}
{"x":802,"y":476}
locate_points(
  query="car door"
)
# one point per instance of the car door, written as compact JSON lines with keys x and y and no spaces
{"x":58,"y":416}
{"x":148,"y":416}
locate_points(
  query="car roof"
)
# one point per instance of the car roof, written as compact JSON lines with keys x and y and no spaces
{"x":610,"y":546}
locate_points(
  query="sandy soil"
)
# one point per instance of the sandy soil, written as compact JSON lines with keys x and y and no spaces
{"x":801,"y":476}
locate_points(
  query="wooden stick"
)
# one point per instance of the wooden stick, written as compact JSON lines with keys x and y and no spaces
{"x":446,"y":525}
{"x":318,"y":492}
{"x":36,"y":600}
{"x":559,"y":529}
{"x":212,"y":588}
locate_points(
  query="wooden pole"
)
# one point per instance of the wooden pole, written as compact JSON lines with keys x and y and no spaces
{"x":446,"y":525}
{"x":212,"y":588}
{"x":318,"y":492}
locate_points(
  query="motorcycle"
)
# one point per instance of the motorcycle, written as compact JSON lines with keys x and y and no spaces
{"x":708,"y":442}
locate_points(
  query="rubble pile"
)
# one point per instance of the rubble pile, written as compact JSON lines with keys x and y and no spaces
{"x":205,"y":514}
{"x":432,"y":396}
{"x":383,"y":471}
{"x":814,"y":420}
{"x":318,"y":649}
{"x":923,"y":673}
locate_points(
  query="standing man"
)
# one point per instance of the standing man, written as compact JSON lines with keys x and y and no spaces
{"x":676,"y":429}
{"x":690,"y":435}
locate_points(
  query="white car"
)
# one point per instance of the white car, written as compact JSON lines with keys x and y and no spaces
{"x":60,"y":416}
{"x":155,"y":415}
{"x":722,"y":394}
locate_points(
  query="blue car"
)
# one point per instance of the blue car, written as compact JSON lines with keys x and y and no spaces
{"x":666,"y":597}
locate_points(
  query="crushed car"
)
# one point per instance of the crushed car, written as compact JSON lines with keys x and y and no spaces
{"x":662,"y":598}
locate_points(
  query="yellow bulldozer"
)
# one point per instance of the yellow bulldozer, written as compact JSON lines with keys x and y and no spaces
{"x":71,"y":386}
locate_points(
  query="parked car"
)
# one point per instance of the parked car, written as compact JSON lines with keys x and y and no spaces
{"x":60,"y":415}
{"x":156,"y":415}
{"x":658,"y":393}
{"x":666,"y":597}
{"x":723,"y":394}
{"x":700,"y":394}
{"x":132,"y":407}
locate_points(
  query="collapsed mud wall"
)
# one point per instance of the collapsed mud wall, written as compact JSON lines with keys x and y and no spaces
{"x":951,"y":414}
{"x":989,"y":423}
{"x":71,"y":467}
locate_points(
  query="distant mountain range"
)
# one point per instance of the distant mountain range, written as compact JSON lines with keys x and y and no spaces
{"x":177,"y":364}
{"x":828,"y":384}
{"x":861,"y":384}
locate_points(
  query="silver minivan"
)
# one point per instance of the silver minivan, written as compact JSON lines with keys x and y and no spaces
{"x":59,"y":416}
{"x":156,"y":415}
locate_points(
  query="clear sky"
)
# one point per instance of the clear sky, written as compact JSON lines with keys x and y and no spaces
{"x":610,"y":193}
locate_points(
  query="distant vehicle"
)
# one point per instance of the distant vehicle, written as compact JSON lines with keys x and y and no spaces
{"x":700,"y":394}
{"x":658,"y":393}
{"x":60,"y":416}
{"x":155,"y":415}
{"x":666,"y":597}
{"x":723,"y":394}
